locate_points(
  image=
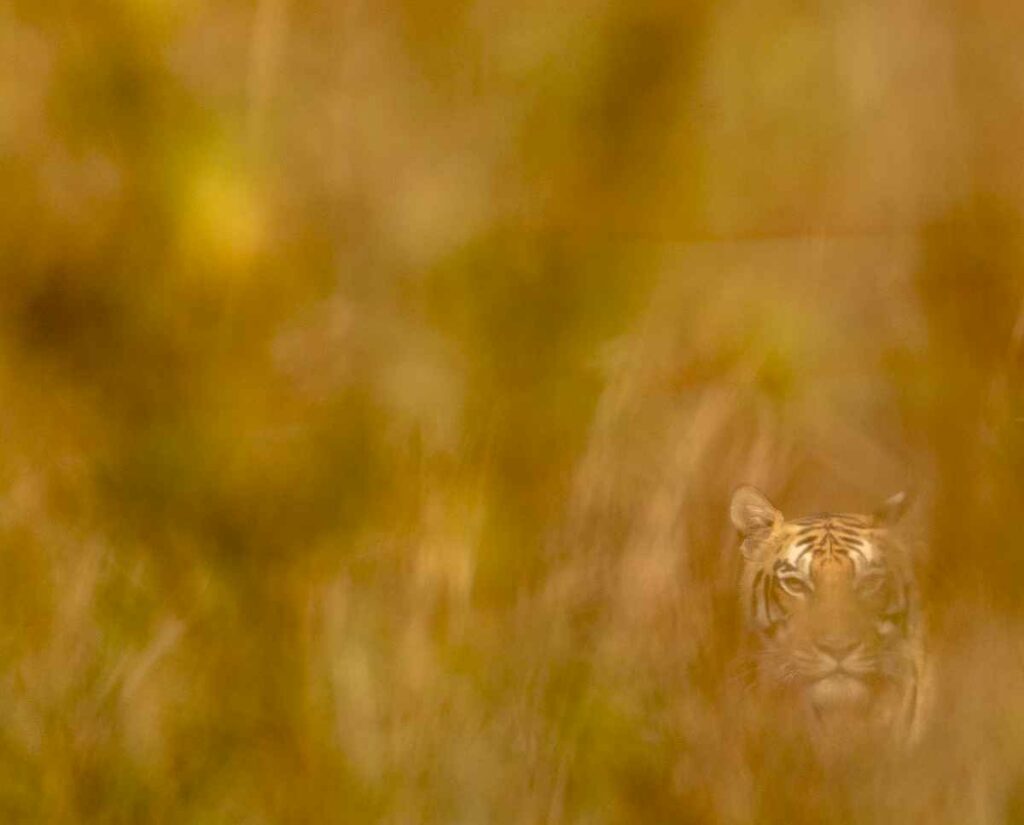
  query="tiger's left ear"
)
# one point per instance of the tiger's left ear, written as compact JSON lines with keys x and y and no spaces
{"x":891,"y":510}
{"x":750,"y":511}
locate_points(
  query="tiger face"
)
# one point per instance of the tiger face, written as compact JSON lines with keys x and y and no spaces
{"x":831,"y":607}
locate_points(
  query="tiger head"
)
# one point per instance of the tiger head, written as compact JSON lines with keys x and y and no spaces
{"x":831,"y":606}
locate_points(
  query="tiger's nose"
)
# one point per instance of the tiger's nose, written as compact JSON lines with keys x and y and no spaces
{"x":838,"y":647}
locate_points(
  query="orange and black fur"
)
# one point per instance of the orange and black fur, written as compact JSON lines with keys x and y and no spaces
{"x":833,"y":619}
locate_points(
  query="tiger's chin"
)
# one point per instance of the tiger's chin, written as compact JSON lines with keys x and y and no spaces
{"x":843,"y":708}
{"x":839,"y":692}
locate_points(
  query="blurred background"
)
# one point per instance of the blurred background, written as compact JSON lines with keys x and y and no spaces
{"x":374,"y":377}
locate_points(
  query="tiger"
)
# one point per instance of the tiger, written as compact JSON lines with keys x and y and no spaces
{"x":832,"y":610}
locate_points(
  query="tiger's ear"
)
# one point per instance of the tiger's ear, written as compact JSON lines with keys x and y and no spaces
{"x":891,"y":510}
{"x":751,"y":510}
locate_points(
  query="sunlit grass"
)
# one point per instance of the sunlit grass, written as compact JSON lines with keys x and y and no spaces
{"x":375,"y":377}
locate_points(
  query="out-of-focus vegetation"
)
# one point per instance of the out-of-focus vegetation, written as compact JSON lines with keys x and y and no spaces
{"x":374,"y":376}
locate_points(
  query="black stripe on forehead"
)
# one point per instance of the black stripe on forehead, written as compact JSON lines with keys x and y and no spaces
{"x":807,"y":548}
{"x":859,"y":552}
{"x":796,"y":553}
{"x":850,"y":520}
{"x":849,"y":544}
{"x":806,"y":542}
{"x":821,"y":515}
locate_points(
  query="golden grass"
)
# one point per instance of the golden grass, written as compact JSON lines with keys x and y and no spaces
{"x":375,"y":376}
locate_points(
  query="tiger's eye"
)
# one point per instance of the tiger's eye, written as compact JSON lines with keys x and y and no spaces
{"x":795,"y":586}
{"x":872,"y":585}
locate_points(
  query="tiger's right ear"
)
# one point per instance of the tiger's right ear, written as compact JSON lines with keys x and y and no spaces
{"x":891,"y":510}
{"x":751,"y":510}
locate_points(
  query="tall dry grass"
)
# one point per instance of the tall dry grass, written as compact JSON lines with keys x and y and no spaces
{"x":374,"y":378}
